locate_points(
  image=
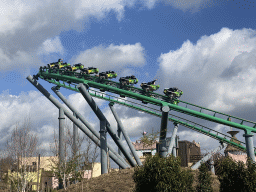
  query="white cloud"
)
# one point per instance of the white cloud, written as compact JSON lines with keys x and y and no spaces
{"x":35,"y":26}
{"x":51,"y":46}
{"x":99,"y":8}
{"x":215,"y":70}
{"x":44,"y":118}
{"x":116,"y":57}
{"x":192,"y":5}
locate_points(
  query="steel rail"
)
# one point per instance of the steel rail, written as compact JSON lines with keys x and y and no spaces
{"x":147,"y":99}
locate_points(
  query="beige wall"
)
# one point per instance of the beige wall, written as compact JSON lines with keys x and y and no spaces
{"x":45,"y":162}
{"x":96,"y":170}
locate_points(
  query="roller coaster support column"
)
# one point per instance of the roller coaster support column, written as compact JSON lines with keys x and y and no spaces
{"x":172,"y":143}
{"x":75,"y":135}
{"x":103,"y":147}
{"x":176,"y":146}
{"x":249,"y":145}
{"x":207,"y":157}
{"x":91,"y":129}
{"x":82,"y":127}
{"x":61,"y":140}
{"x":120,"y":124}
{"x":162,"y":140}
{"x":119,"y":133}
{"x":174,"y":150}
{"x":212,"y":166}
{"x":100,"y":115}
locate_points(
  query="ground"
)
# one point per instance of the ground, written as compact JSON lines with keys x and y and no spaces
{"x":119,"y":181}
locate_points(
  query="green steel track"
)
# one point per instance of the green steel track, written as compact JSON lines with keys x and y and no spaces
{"x":73,"y":78}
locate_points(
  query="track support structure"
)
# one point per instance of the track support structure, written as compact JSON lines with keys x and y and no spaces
{"x":174,"y":150}
{"x":119,"y":133}
{"x":89,"y":128}
{"x":75,"y":137}
{"x":249,"y":145}
{"x":81,"y":126}
{"x":61,"y":140}
{"x":212,"y":166}
{"x":207,"y":157}
{"x":103,"y":147}
{"x":100,"y":115}
{"x":121,"y":127}
{"x":173,"y":140}
{"x":163,"y":129}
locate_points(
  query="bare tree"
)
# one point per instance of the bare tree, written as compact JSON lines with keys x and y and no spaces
{"x":22,"y":144}
{"x":150,"y":139}
{"x":71,"y":169}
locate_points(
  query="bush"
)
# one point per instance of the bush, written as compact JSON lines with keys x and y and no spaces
{"x":162,"y":174}
{"x":235,"y":176}
{"x":251,"y":179}
{"x":204,"y":179}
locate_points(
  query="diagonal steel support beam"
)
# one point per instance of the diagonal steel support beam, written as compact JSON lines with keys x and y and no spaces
{"x":103,"y":147}
{"x":207,"y":157}
{"x":75,"y":137}
{"x":119,"y":133}
{"x":100,"y":115}
{"x":120,"y":124}
{"x":61,"y":134}
{"x":173,"y":138}
{"x":79,"y":116}
{"x":74,"y":120}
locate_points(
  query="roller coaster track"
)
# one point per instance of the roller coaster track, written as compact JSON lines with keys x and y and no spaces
{"x":73,"y":78}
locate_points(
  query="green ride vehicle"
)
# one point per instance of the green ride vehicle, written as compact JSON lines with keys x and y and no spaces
{"x":90,"y":70}
{"x":107,"y":75}
{"x":150,"y":86}
{"x":53,"y":65}
{"x":173,"y":93}
{"x":63,"y":65}
{"x":128,"y":80}
{"x":75,"y":67}
{"x":58,"y":65}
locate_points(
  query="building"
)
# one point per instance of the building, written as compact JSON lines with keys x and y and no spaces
{"x":189,"y":152}
{"x":42,"y":178}
{"x":234,"y":153}
{"x":45,"y":178}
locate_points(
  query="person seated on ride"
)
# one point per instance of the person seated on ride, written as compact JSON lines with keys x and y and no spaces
{"x":60,"y":61}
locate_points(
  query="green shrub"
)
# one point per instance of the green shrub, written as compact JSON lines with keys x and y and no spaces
{"x":162,"y":174}
{"x":234,"y":176}
{"x":204,"y":179}
{"x":250,"y":180}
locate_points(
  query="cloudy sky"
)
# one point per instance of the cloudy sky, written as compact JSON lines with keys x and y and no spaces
{"x":205,"y":48}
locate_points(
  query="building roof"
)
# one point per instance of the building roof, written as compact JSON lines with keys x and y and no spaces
{"x":193,"y":142}
{"x":139,"y":146}
{"x":237,"y":158}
